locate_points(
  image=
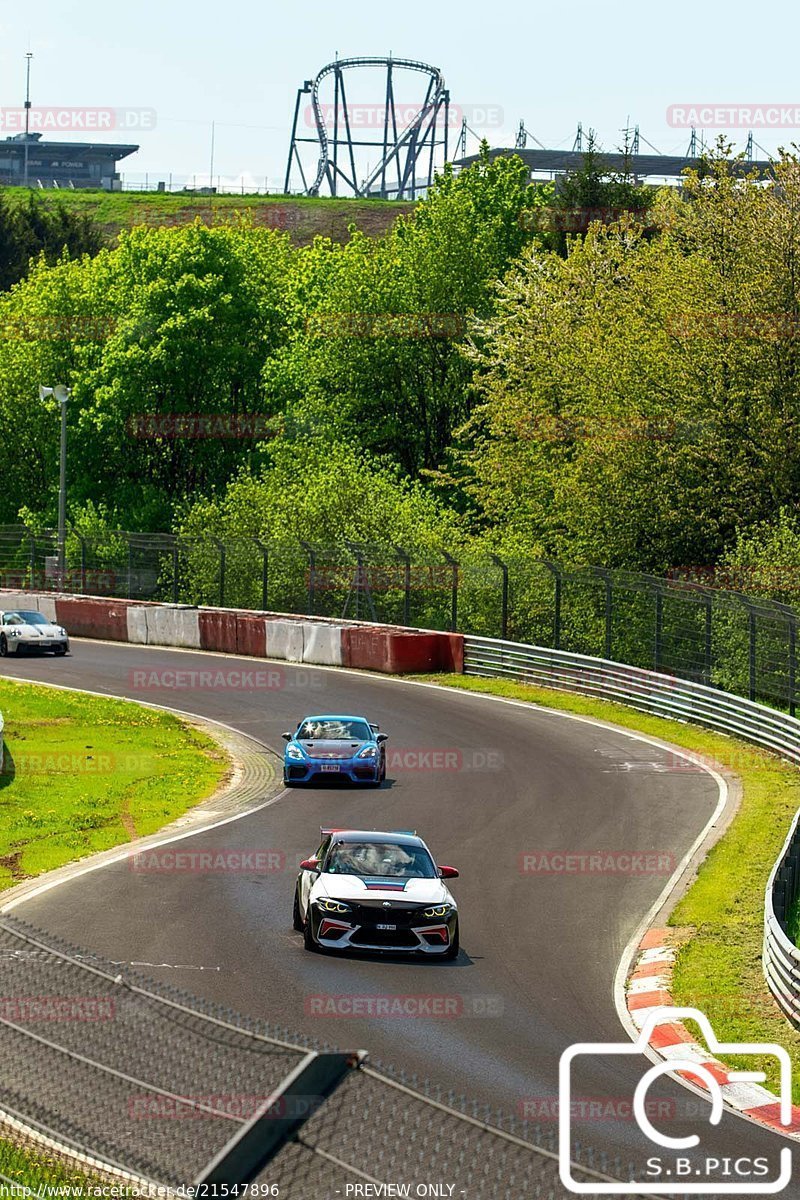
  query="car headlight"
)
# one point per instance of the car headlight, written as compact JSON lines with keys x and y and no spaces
{"x":293,"y":751}
{"x":438,"y":910}
{"x":334,"y":906}
{"x":63,"y":632}
{"x":367,"y":752}
{"x":15,"y":633}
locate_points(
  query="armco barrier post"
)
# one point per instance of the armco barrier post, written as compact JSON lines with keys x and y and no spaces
{"x":555,"y":571}
{"x":659,"y":631}
{"x":792,"y":662}
{"x":222,"y":562}
{"x":707,"y":660}
{"x":312,"y":570}
{"x":504,"y":602}
{"x":264,"y":548}
{"x":451,"y":562}
{"x":405,"y":559}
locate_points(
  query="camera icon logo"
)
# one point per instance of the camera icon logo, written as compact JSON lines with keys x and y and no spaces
{"x":674,"y":1172}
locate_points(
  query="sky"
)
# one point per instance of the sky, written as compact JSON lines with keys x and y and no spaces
{"x":176,"y":67}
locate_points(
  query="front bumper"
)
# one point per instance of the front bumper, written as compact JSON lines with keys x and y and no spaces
{"x":356,"y":770}
{"x":37,"y":646}
{"x":384,"y":932}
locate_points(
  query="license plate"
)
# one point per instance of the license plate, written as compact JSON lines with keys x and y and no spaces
{"x":331,"y":767}
{"x":392,"y":927}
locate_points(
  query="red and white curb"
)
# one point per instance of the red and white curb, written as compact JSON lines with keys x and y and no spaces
{"x":647,"y":990}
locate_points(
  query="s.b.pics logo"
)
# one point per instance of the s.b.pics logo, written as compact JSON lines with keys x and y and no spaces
{"x":680,"y":1160}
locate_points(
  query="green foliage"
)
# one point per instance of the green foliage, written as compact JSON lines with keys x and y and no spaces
{"x":34,"y":228}
{"x":374,"y":351}
{"x":640,"y":402}
{"x":625,"y":394}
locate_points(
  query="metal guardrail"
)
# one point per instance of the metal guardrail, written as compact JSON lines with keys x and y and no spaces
{"x":663,"y":695}
{"x":781,"y":957}
{"x":669,"y":696}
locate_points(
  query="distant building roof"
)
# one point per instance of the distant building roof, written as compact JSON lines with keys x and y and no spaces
{"x":639,"y":165}
{"x":34,"y":140}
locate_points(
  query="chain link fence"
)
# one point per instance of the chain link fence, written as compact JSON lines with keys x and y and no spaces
{"x":709,"y":635}
{"x":152,"y":1082}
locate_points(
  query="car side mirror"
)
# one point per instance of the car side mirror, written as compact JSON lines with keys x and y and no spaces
{"x":448,"y":873}
{"x":287,"y":737}
{"x":382,"y":737}
{"x":309,"y":864}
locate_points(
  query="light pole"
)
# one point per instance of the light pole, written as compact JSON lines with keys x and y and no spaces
{"x":28,"y":56}
{"x":62,"y":395}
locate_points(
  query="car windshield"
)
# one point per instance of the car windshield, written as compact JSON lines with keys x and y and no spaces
{"x":385,"y":859}
{"x":25,"y":618}
{"x":333,"y":729}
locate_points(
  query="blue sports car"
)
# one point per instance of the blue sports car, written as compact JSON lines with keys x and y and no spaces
{"x":348,"y":747}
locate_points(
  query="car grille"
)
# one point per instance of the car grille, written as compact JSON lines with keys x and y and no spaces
{"x":404,"y":916}
{"x":297,"y":772}
{"x":369,"y":936}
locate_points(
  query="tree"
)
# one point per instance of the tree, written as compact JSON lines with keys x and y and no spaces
{"x":374,"y":352}
{"x":640,"y":396}
{"x":33,"y":228}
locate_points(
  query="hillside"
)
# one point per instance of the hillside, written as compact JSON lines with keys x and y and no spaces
{"x":303,"y":217}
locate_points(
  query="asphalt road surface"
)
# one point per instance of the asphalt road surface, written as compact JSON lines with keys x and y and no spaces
{"x":539,"y":949}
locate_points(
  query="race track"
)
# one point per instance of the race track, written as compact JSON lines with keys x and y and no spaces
{"x":539,"y":950}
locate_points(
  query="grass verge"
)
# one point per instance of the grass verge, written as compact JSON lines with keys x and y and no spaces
{"x":36,"y":1170}
{"x":82,"y":773}
{"x":718,"y":967}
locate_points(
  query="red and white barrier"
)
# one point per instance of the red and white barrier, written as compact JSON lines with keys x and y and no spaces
{"x":385,"y":648}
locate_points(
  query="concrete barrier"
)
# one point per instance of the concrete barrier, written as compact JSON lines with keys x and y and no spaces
{"x":285,"y":640}
{"x":137,"y":625}
{"x":218,"y":630}
{"x":19,"y":600}
{"x":47,"y":607}
{"x":84,"y":617}
{"x":251,"y":635}
{"x":397,"y":651}
{"x":322,"y":644}
{"x":384,"y":648}
{"x":168,"y":625}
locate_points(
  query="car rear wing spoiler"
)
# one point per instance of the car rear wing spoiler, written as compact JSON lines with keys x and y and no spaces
{"x":326,"y":830}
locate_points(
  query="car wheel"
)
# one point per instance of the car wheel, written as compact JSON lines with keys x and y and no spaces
{"x":308,"y":936}
{"x":452,"y":950}
{"x":3,"y":645}
{"x":297,"y":920}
